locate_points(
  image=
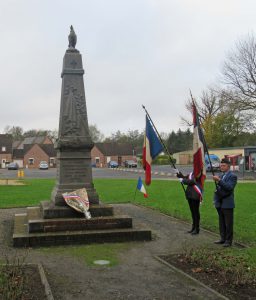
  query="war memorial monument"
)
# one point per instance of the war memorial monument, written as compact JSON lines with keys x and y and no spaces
{"x":53,"y":222}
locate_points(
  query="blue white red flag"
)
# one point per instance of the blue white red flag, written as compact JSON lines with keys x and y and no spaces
{"x":198,"y":153}
{"x":141,"y":188}
{"x":151,"y":148}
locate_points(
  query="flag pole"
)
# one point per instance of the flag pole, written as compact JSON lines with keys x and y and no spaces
{"x":135,"y":193}
{"x":204,"y":141}
{"x":162,"y":142}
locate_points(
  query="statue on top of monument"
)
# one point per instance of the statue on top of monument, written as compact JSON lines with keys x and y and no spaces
{"x":72,"y":38}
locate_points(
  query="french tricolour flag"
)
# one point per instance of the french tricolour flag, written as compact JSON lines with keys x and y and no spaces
{"x":141,"y":188}
{"x":198,"y":153}
{"x":151,"y":148}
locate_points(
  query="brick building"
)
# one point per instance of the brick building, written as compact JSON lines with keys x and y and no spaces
{"x":5,"y":150}
{"x":35,"y":153}
{"x":103,"y":153}
{"x":32,"y":150}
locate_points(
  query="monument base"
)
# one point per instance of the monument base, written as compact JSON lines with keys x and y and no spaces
{"x":48,"y":225}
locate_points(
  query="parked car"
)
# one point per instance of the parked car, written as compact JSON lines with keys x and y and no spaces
{"x":113,"y":164}
{"x":215,"y":161}
{"x":13,"y":166}
{"x":130,"y":164}
{"x":43,"y":165}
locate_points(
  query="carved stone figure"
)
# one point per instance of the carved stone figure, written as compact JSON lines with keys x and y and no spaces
{"x":72,"y":38}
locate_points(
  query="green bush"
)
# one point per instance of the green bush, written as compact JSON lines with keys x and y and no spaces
{"x":163,"y":160}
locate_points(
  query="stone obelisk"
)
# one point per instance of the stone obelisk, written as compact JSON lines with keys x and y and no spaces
{"x":74,"y":143}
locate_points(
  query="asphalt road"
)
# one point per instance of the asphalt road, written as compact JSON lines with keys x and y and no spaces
{"x":163,"y":172}
{"x":159,"y":172}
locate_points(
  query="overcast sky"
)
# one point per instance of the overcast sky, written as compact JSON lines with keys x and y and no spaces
{"x":134,"y":52}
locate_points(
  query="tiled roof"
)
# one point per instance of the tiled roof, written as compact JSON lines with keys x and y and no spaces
{"x":115,"y":149}
{"x":31,"y":140}
{"x":49,"y":149}
{"x":15,"y":144}
{"x":6,"y":141}
{"x":26,"y":141}
{"x":18,"y":153}
{"x":27,"y":147}
{"x":39,"y":140}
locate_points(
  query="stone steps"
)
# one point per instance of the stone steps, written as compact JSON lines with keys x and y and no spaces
{"x":72,"y":224}
{"x":49,"y":211}
{"x":25,"y":239}
{"x":33,"y":229}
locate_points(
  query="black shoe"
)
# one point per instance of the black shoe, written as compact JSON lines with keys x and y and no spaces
{"x":226,"y":244}
{"x":219,"y":242}
{"x":191,"y":230}
{"x":195,"y":231}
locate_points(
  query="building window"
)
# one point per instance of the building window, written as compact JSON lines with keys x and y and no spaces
{"x":31,"y":161}
{"x":97,"y":160}
{"x":52,"y":161}
{"x":3,"y":149}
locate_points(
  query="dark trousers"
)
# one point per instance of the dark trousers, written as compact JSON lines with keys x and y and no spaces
{"x":226,"y":221}
{"x":194,"y":208}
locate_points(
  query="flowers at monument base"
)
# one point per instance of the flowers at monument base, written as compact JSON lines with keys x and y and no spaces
{"x":79,"y":201}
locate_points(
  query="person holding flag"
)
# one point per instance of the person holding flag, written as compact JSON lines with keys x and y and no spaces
{"x":193,"y":194}
{"x":195,"y":180}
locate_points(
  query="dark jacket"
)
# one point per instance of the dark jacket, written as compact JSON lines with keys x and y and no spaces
{"x":190,"y":191}
{"x":224,"y":195}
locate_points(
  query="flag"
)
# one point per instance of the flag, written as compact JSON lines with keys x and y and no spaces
{"x":141,"y":188}
{"x":151,"y":148}
{"x":198,"y":154}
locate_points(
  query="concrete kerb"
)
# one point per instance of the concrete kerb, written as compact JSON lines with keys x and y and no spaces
{"x":45,"y":283}
{"x":142,"y":171}
{"x":191,"y":278}
{"x":173,"y":175}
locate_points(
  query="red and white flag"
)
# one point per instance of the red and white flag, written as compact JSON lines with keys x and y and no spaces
{"x":198,"y":153}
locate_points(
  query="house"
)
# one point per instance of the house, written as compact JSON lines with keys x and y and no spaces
{"x":32,"y":150}
{"x":5,"y":150}
{"x":17,"y":156}
{"x":31,"y":140}
{"x":103,"y":153}
{"x":35,"y":153}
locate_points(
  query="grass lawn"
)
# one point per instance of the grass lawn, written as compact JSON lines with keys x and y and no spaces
{"x":166,"y":196}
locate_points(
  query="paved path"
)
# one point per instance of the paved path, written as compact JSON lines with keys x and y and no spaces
{"x":138,"y":276}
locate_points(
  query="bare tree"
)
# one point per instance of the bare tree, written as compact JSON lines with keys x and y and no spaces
{"x":239,"y":74}
{"x":209,"y":105}
{"x":15,"y":131}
